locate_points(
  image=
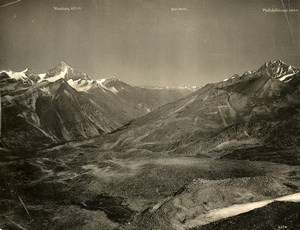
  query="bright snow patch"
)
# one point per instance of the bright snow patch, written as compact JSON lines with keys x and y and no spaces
{"x":17,"y":75}
{"x":188,"y":87}
{"x":41,"y":76}
{"x":101,"y":81}
{"x":61,"y":75}
{"x":81,"y":85}
{"x":85,"y":85}
{"x":114,"y":90}
{"x":233,"y":210}
{"x":286,"y":76}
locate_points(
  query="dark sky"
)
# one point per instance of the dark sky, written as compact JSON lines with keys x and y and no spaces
{"x":145,"y":42}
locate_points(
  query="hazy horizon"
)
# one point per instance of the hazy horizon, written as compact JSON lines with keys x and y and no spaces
{"x":149,"y":42}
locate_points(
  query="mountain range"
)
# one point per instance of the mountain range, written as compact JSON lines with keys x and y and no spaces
{"x":64,"y":104}
{"x":79,"y":153}
{"x":258,"y":110}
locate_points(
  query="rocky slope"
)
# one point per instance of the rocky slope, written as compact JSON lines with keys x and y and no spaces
{"x":197,"y":163}
{"x":82,"y":187}
{"x":254,"y":116}
{"x":255,"y":109}
{"x":204,"y":202}
{"x":64,"y":104}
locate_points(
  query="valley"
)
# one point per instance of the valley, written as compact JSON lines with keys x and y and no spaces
{"x":89,"y":155}
{"x":148,"y":191}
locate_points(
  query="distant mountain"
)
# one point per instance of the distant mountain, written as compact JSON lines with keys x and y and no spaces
{"x":12,"y":81}
{"x":279,"y":70}
{"x":251,"y":110}
{"x":63,"y":71}
{"x":64,"y":104}
{"x":146,"y":98}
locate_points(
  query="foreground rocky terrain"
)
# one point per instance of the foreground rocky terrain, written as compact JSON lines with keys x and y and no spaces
{"x":84,"y":188}
{"x":223,"y":157}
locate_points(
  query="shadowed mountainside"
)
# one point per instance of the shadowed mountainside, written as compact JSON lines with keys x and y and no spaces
{"x":64,"y":104}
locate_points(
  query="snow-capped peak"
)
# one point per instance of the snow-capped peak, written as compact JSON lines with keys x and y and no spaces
{"x":104,"y":81}
{"x":64,"y":65}
{"x":187,"y":87}
{"x":56,"y":76}
{"x":111,"y":79}
{"x":62,"y":71}
{"x":233,"y":77}
{"x":277,"y":62}
{"x":101,"y":81}
{"x":81,"y":85}
{"x":278,"y":70}
{"x":18,"y":76}
{"x":85,"y":85}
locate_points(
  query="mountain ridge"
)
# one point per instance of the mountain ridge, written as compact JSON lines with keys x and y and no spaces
{"x":80,"y":107}
{"x":252,"y":110}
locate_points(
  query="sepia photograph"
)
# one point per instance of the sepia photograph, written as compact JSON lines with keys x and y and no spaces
{"x":150,"y":115}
